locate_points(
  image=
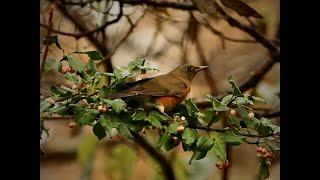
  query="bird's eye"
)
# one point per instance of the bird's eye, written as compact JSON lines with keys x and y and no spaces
{"x":189,"y":68}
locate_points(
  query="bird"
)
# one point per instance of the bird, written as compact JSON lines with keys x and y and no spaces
{"x":163,"y":92}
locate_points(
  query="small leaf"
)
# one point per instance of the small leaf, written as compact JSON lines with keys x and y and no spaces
{"x":109,"y":120}
{"x":117,"y":105}
{"x":263,"y":169}
{"x":204,"y":144}
{"x":72,"y":77}
{"x":226,"y":100}
{"x":232,"y":139}
{"x":249,"y":122}
{"x":105,"y":91}
{"x":217,"y":105}
{"x":191,"y":107}
{"x":264,"y":127}
{"x":59,"y":109}
{"x":219,"y":148}
{"x":273,"y":147}
{"x":52,"y":65}
{"x":158,"y":115}
{"x":124,"y":130}
{"x":165,"y":142}
{"x":121,"y":73}
{"x":86,"y":117}
{"x":93,"y":55}
{"x":92,"y":67}
{"x":208,"y":116}
{"x":234,"y":121}
{"x":236,"y":90}
{"x":241,"y":8}
{"x":45,"y":104}
{"x":52,"y":39}
{"x":139,"y":115}
{"x":75,"y":108}
{"x":197,"y":156}
{"x":258,"y":99}
{"x":76,"y":64}
{"x":172,"y":128}
{"x":189,"y":136}
{"x":99,"y":131}
{"x":242,"y":111}
{"x":60,"y":91}
{"x":155,"y":120}
{"x":85,"y":77}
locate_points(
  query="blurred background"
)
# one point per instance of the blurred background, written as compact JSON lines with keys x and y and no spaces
{"x":166,"y":33}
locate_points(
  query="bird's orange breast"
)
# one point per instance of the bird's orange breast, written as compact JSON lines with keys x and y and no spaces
{"x":170,"y":102}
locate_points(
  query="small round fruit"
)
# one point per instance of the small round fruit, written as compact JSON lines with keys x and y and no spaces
{"x":72,"y":124}
{"x":263,"y":151}
{"x":74,"y":87}
{"x":104,"y":109}
{"x":100,"y":108}
{"x":180,"y":129}
{"x":183,"y":118}
{"x":226,"y":164}
{"x":258,"y":149}
{"x":251,"y":114}
{"x":219,"y":165}
{"x":232,"y":112}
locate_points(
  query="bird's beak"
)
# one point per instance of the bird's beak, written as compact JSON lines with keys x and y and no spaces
{"x":199,"y":68}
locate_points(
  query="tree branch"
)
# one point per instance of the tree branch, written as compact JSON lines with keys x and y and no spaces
{"x":164,"y":163}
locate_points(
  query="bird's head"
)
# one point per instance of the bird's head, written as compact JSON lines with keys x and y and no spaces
{"x":187,"y":71}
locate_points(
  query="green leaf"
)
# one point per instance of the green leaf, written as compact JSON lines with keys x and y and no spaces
{"x":217,"y":105}
{"x":249,"y":122}
{"x":52,"y":65}
{"x":264,"y":127}
{"x":197,"y":156}
{"x":189,"y":136}
{"x":72,"y":77}
{"x":236,"y":90}
{"x":158,"y":115}
{"x":99,"y":131}
{"x":232,"y":139}
{"x":204,"y":144}
{"x":219,"y":148}
{"x":60,"y":91}
{"x":258,"y":99}
{"x":105,"y":91}
{"x":165,"y":142}
{"x":226,"y":100}
{"x":59,"y":109}
{"x":45,"y":104}
{"x":263,"y":169}
{"x":76,"y":64}
{"x":92,"y":67}
{"x":124,"y":130}
{"x":139,"y":115}
{"x":242,"y":111}
{"x":273,"y":147}
{"x":117,"y":105}
{"x":242,"y":101}
{"x":52,"y":39}
{"x":109,"y":120}
{"x":93,"y":55}
{"x":121,"y":73}
{"x":191,"y":107}
{"x":233,"y":120}
{"x":76,"y":108}
{"x":85,"y":77}
{"x":154,"y":120}
{"x":172,"y":128}
{"x":86,"y":117}
{"x":208,"y":116}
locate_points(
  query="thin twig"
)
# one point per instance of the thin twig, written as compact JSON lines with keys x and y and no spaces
{"x":47,"y":43}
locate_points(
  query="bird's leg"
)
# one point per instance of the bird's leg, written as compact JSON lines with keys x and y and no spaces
{"x":161,"y":109}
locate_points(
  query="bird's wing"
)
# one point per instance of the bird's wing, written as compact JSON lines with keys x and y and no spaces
{"x":166,"y":85}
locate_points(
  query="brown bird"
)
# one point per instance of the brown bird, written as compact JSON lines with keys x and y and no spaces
{"x":163,"y":92}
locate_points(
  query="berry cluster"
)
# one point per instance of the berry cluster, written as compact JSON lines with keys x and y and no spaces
{"x":222,"y":164}
{"x":262,"y":152}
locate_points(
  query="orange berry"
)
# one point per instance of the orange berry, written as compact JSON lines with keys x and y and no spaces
{"x":100,"y":108}
{"x":72,"y":124}
{"x":104,"y":109}
{"x":226,"y":164}
{"x":232,"y":112}
{"x":180,"y":129}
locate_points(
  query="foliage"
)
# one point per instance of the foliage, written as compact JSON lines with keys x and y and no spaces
{"x":89,"y":104}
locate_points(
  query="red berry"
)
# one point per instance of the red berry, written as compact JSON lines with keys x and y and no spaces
{"x":72,"y":124}
{"x":180,"y":129}
{"x":263,"y":151}
{"x":258,"y":149}
{"x":100,"y":108}
{"x":226,"y":164}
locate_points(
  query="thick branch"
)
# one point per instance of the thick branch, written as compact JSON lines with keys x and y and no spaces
{"x":165,"y":164}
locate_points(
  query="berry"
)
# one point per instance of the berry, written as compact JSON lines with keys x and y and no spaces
{"x":72,"y":124}
{"x":251,"y":114}
{"x":183,"y":118}
{"x":258,"y":149}
{"x":65,"y":69}
{"x":232,"y":112}
{"x":226,"y":164}
{"x":180,"y":129}
{"x":263,"y":151}
{"x":104,"y":109}
{"x":74,"y":87}
{"x":219,"y":165}
{"x":259,"y":154}
{"x":100,"y":108}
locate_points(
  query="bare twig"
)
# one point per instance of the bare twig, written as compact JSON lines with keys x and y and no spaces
{"x":165,"y":164}
{"x":45,"y":54}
